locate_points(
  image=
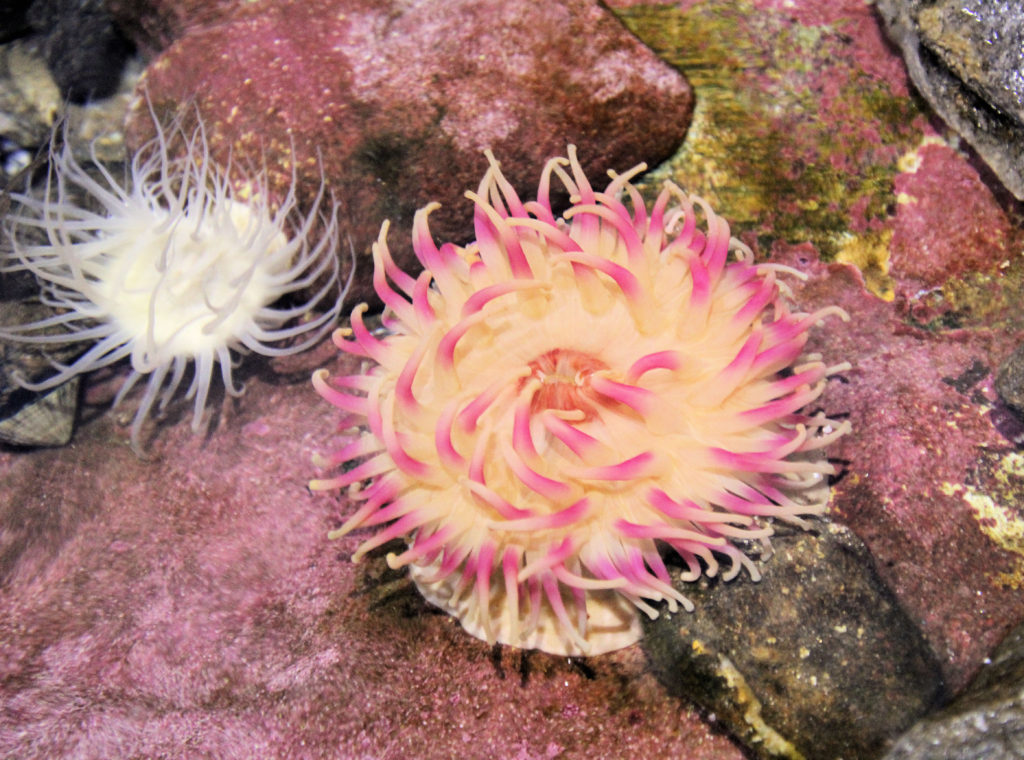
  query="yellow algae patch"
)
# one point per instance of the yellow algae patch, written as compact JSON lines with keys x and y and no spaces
{"x":1002,"y":525}
{"x":910,"y":161}
{"x":870,"y":254}
{"x":774,"y":742}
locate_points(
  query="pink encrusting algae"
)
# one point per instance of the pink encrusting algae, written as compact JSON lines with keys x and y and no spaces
{"x":557,"y":401}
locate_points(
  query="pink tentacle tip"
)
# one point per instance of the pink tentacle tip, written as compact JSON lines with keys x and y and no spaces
{"x":670,"y":360}
{"x":340,"y":338}
{"x":346,"y":401}
{"x":635,"y":468}
{"x":639,"y":399}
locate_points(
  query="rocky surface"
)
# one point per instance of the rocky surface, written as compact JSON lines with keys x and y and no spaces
{"x":395,"y":102}
{"x":85,"y":50}
{"x":192,"y":600}
{"x":28,"y":418}
{"x":191,"y":605}
{"x":797,"y":664}
{"x":846,"y":170}
{"x":966,"y":58}
{"x":31,"y":105}
{"x":1009,"y":382}
{"x":29,"y":99}
{"x":986,"y":720}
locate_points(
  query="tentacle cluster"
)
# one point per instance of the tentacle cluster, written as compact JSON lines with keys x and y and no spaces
{"x":562,"y":396}
{"x":175,"y":264}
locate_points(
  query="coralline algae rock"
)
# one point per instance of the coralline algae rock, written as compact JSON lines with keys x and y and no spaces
{"x":190,"y":605}
{"x":398,"y":100}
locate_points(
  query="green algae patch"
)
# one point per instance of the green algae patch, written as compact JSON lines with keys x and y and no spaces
{"x":792,"y":138}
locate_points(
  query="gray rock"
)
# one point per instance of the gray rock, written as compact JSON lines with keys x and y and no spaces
{"x":44,"y":419}
{"x":985,"y":721}
{"x":1010,"y":380}
{"x":28,"y":418}
{"x":966,"y":57}
{"x":814,"y":661}
{"x":84,"y":49}
{"x":1008,"y":414}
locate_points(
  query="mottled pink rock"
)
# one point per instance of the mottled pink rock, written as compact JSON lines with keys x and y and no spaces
{"x":947,"y":222}
{"x":923,"y":440}
{"x":192,"y":606}
{"x":397,"y":101}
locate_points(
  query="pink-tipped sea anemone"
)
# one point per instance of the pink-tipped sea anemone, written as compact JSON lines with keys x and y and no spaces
{"x":559,"y":401}
{"x":176,"y":264}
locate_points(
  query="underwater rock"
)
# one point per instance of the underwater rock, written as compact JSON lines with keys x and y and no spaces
{"x":1008,"y":414}
{"x":29,"y":98}
{"x":28,"y":418}
{"x":985,"y":721}
{"x":796,"y":665}
{"x":13,"y":21}
{"x":39,"y":419}
{"x":1010,"y":380}
{"x":398,"y":100}
{"x":190,"y":605}
{"x":84,"y":49}
{"x":965,"y":58}
{"x":929,"y":246}
{"x":31,"y":103}
{"x":931,"y":485}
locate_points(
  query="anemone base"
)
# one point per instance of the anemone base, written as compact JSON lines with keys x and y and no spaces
{"x":612,"y":620}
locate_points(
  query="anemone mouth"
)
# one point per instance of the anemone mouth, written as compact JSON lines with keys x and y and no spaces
{"x":179,"y":264}
{"x":564,"y":377}
{"x":564,"y":400}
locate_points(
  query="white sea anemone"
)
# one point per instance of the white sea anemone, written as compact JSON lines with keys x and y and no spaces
{"x":177,"y":263}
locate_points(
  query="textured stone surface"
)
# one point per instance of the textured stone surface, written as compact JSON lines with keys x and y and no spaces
{"x":932,"y":482}
{"x":29,"y":98}
{"x":193,"y":601}
{"x":986,"y":721}
{"x":28,"y":418}
{"x":1009,"y":382}
{"x":798,"y":664}
{"x":398,"y":100}
{"x":31,"y":105}
{"x":980,"y":230}
{"x":966,"y":58}
{"x":84,"y":49}
{"x":191,"y":606}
